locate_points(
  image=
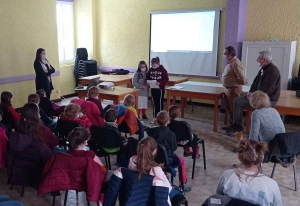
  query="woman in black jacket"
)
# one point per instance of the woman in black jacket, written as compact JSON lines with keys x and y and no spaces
{"x":43,"y":70}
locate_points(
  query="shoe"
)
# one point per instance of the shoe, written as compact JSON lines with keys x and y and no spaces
{"x":145,"y":117}
{"x":153,"y":121}
{"x":226,"y":127}
{"x":235,"y":128}
{"x":235,"y":165}
{"x":186,"y":154}
{"x":235,"y":150}
{"x":187,"y":188}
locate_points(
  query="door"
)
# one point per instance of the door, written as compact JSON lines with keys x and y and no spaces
{"x":280,"y":58}
{"x":249,"y":59}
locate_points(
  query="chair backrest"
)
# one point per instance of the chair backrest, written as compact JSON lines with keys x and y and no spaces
{"x":161,"y":156}
{"x":227,"y":201}
{"x":284,"y":145}
{"x":66,"y":126}
{"x":182,"y":130}
{"x":106,"y":136}
{"x":82,"y":54}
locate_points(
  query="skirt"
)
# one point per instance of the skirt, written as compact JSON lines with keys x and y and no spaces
{"x":143,"y":102}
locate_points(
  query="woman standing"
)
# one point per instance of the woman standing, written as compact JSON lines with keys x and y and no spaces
{"x":43,"y":70}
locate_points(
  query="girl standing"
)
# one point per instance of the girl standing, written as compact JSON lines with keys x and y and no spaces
{"x":159,"y":73}
{"x":139,"y":82}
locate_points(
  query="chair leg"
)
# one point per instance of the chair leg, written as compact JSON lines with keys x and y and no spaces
{"x":295,"y":177}
{"x":109,"y":166}
{"x":88,"y":203}
{"x":260,"y":168}
{"x":273,"y":170}
{"x":172,"y":178}
{"x":194,"y":162}
{"x":105,"y":158}
{"x":22,"y":194}
{"x":66,"y":198}
{"x":53,"y":200}
{"x":204,"y":158}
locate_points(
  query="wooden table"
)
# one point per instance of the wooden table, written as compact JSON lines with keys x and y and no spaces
{"x":118,"y":80}
{"x":116,"y":95}
{"x":197,"y":92}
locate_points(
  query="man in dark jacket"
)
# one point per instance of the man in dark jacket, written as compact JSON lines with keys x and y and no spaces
{"x":267,"y":80}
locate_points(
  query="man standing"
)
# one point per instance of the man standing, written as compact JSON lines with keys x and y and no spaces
{"x":267,"y":80}
{"x":232,"y":79}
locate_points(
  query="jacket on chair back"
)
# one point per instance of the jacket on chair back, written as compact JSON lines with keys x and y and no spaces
{"x":148,"y":191}
{"x":73,"y":172}
{"x":26,"y":159}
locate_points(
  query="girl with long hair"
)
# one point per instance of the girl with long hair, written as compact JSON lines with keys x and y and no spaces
{"x":139,"y":81}
{"x":43,"y":70}
{"x":246,"y":182}
{"x":6,"y":103}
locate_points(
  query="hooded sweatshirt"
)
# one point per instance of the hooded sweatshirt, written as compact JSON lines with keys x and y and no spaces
{"x":139,"y":81}
{"x":159,"y":74}
{"x":163,"y":135}
{"x":156,"y":171}
{"x":26,"y":159}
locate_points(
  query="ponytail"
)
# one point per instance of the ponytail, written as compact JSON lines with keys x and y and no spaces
{"x":145,"y":156}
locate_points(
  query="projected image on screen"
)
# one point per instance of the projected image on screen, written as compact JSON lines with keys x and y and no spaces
{"x":186,"y":42}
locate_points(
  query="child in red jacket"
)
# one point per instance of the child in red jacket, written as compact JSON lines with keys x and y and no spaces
{"x":6,"y":103}
{"x":73,"y":113}
{"x":159,"y":73}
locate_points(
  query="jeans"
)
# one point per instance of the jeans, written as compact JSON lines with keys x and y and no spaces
{"x":5,"y":201}
{"x":238,"y":104}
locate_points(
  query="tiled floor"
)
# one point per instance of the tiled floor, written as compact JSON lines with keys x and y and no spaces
{"x":219,"y":156}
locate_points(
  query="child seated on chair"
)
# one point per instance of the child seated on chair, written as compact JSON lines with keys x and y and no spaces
{"x":129,"y":145}
{"x":78,"y":139}
{"x":93,"y":96}
{"x":175,"y":115}
{"x":49,"y":107}
{"x":129,"y":102}
{"x":167,"y":138}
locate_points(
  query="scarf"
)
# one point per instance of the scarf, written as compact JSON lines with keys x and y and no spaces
{"x":45,"y":62}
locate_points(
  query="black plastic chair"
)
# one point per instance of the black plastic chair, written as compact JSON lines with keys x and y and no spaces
{"x":183,"y":132}
{"x":106,"y":137}
{"x":161,"y":157}
{"x":64,"y":129}
{"x":227,"y":201}
{"x":284,"y":147}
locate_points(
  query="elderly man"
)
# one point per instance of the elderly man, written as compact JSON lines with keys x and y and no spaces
{"x":232,"y":79}
{"x":267,"y":80}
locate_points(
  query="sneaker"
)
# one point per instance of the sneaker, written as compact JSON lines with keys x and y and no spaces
{"x":235,"y":128}
{"x":226,"y":127}
{"x":145,"y":117}
{"x":153,"y":121}
{"x":187,"y":188}
{"x":187,"y":154}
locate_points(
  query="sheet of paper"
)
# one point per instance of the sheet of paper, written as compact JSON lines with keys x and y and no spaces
{"x":152,"y":84}
{"x":176,"y":87}
{"x":215,"y":201}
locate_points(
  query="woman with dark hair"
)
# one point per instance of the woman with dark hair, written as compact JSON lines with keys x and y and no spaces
{"x":6,"y":104}
{"x":43,"y":70}
{"x":28,"y":150}
{"x":246,"y":182}
{"x":139,"y":81}
{"x":159,"y":73}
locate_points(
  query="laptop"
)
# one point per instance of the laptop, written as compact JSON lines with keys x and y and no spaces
{"x":93,"y":82}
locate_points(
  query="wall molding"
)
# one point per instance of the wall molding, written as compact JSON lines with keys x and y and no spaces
{"x":22,"y":78}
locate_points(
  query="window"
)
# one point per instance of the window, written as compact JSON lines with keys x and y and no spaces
{"x":65,"y":29}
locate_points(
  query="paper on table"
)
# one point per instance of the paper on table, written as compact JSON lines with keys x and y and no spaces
{"x":152,"y":84}
{"x":176,"y":87}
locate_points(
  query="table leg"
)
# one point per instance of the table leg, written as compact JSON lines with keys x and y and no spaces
{"x":216,"y":110}
{"x":129,"y":84}
{"x":182,"y":103}
{"x":174,"y":100}
{"x":249,"y":114}
{"x":168,"y":100}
